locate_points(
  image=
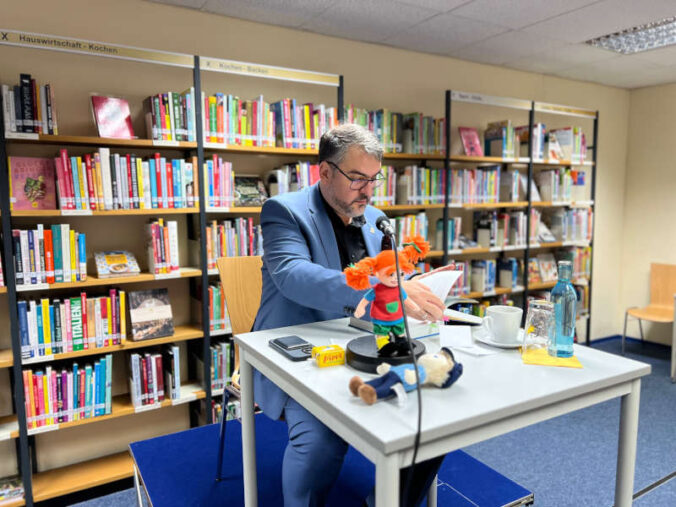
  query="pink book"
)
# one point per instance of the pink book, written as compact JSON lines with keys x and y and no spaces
{"x":85,"y":330}
{"x":112,"y":116}
{"x":40,"y":406}
{"x":471,"y":142}
{"x":33,"y":183}
{"x":81,"y":399}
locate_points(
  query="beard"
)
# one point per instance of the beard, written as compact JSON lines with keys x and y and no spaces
{"x":353,"y":208}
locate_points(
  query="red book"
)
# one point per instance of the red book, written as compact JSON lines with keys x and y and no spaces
{"x":288,"y":133}
{"x":254,"y":121}
{"x":36,"y":401}
{"x":206,"y":130}
{"x":158,"y":180}
{"x":170,"y":185}
{"x":85,"y":332}
{"x":91,"y":189}
{"x":211,"y":308}
{"x":68,"y":178}
{"x":104,"y":317}
{"x":83,"y":389}
{"x":113,"y":118}
{"x":314,"y":174}
{"x":60,"y":184}
{"x":49,"y":255}
{"x":251,"y":236}
{"x":114,"y":316}
{"x":130,"y":182}
{"x":218,"y":196}
{"x":150,"y":380}
{"x":26,"y":396}
{"x":471,"y":142}
{"x":159,"y":377}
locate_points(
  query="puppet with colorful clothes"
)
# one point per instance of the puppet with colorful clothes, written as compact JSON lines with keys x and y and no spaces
{"x":386,"y":312}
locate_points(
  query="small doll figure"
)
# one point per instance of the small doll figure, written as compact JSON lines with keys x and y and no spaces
{"x":386,"y":312}
{"x":438,"y":369}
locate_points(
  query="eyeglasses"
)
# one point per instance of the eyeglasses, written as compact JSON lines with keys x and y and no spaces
{"x":360,"y":183}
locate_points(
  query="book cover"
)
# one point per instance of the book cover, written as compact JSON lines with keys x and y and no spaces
{"x":471,"y":142}
{"x":249,"y":191}
{"x":547,"y":263}
{"x":150,"y":314}
{"x":32,"y":183}
{"x":112,"y":117}
{"x":116,"y":263}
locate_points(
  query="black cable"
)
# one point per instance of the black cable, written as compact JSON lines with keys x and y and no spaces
{"x":416,"y":444}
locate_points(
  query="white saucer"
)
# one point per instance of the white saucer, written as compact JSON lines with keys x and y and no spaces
{"x":483,"y":337}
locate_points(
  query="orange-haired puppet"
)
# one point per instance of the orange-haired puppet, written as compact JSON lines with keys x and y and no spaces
{"x":386,"y":312}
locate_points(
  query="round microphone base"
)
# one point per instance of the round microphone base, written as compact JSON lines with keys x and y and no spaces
{"x":362,"y":354}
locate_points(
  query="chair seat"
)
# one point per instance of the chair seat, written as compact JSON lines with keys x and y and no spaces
{"x":653,"y":313}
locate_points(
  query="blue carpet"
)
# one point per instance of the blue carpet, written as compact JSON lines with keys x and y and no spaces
{"x":581,"y":473}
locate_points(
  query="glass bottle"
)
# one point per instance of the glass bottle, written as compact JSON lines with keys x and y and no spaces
{"x":564,"y":299}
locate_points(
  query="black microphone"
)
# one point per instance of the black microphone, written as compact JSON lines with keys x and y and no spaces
{"x":385,"y":226}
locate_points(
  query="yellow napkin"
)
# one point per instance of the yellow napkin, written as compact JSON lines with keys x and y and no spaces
{"x":541,"y":357}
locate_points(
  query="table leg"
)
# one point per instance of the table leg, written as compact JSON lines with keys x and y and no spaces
{"x":387,"y":481}
{"x":626,"y":455}
{"x":248,"y":431}
{"x":432,"y":493}
{"x":137,"y":485}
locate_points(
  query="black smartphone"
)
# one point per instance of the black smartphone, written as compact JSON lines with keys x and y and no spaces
{"x":292,"y":347}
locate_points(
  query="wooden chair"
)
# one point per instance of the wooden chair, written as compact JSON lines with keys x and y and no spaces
{"x":661,"y":306}
{"x":242,"y":285}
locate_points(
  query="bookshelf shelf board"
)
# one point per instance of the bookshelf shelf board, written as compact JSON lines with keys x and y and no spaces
{"x":122,"y":406}
{"x":114,"y":212}
{"x":181,"y":333}
{"x":541,"y":285}
{"x":413,"y":156}
{"x":81,"y":476}
{"x":93,"y":281}
{"x":582,"y":204}
{"x":435,"y":253}
{"x":100,"y":141}
{"x":261,"y":150}
{"x":234,"y":209}
{"x":548,"y":162}
{"x":6,"y":358}
{"x":550,"y":204}
{"x":409,"y":207}
{"x":488,"y":160}
{"x":14,"y":503}
{"x":495,"y":205}
{"x":9,"y":427}
{"x":551,"y":244}
{"x":497,"y":292}
{"x":3,"y":290}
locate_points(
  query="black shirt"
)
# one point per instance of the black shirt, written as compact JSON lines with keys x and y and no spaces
{"x":351,"y":244}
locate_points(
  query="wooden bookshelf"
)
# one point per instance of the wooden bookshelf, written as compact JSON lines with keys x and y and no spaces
{"x":497,"y":292}
{"x":541,"y":285}
{"x":469,"y":159}
{"x":547,"y":162}
{"x":81,"y":476}
{"x":93,"y":281}
{"x":181,"y":334}
{"x":409,"y":207}
{"x":238,"y":210}
{"x":495,"y":205}
{"x":413,"y":156}
{"x":9,"y":428}
{"x":122,"y":406}
{"x":260,"y":150}
{"x":14,"y":503}
{"x":3,"y":290}
{"x":6,"y":358}
{"x":99,"y":141}
{"x":106,"y":213}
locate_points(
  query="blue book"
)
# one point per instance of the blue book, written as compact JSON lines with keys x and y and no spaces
{"x":56,"y":348}
{"x":41,"y":336}
{"x":176,"y":180}
{"x":88,"y":391}
{"x":76,"y":390}
{"x":153,"y":183}
{"x":98,"y":374}
{"x":163,"y":172}
{"x":109,"y":383}
{"x":76,"y":182}
{"x":26,"y":349}
{"x":210,"y":174}
{"x":82,"y":257}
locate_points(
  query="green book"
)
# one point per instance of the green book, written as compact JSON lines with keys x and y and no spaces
{"x":58,"y":258}
{"x":88,"y":391}
{"x":76,"y":323}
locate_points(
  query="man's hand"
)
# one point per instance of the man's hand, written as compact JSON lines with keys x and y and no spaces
{"x":430,"y":307}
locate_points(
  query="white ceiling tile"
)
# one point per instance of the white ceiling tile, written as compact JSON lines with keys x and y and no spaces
{"x":437,"y":5}
{"x":622,"y":70}
{"x":292,"y":13}
{"x":443,"y":34}
{"x":602,"y":18}
{"x":665,"y":75}
{"x":506,"y":47}
{"x":560,"y":56}
{"x":664,"y":56}
{"x":520,"y":13}
{"x":371,"y":21}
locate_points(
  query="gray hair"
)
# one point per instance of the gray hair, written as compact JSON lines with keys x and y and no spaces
{"x":334,"y":144}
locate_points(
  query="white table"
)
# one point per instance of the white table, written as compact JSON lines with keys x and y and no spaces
{"x":495,"y":395}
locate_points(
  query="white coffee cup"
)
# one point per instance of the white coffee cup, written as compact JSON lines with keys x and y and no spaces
{"x":503,"y":323}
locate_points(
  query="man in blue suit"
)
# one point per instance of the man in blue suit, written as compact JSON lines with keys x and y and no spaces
{"x":309,"y":237}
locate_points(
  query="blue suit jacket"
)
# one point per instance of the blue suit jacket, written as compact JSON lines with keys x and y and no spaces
{"x":302,"y":277}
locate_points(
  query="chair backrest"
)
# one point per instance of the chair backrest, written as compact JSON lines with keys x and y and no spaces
{"x":242,"y":285}
{"x":662,"y":284}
